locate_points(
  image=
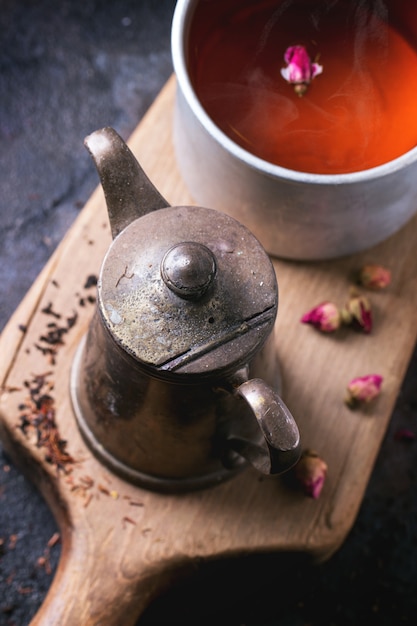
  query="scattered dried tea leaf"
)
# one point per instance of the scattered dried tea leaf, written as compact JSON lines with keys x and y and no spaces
{"x":48,"y":310}
{"x":44,"y":562}
{"x":39,"y":413}
{"x":56,"y":538}
{"x":91,"y":281}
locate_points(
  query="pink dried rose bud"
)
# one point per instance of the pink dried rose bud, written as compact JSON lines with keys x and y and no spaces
{"x":300,"y":70}
{"x":325,"y":317}
{"x":404,"y":434}
{"x":363,"y":389}
{"x":373,"y":276}
{"x":358,"y":313}
{"x":310,"y":472}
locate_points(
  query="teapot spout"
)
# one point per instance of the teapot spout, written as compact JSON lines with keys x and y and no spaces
{"x":128,"y":191}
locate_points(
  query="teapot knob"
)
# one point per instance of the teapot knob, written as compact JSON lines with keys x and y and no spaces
{"x":188,"y":269}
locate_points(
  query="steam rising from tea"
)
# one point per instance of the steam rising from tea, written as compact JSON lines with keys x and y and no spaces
{"x":360,"y":112}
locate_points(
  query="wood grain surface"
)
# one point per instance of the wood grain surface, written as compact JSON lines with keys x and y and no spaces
{"x":121,"y":544}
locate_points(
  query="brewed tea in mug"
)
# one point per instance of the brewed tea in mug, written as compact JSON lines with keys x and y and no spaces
{"x":358,"y":114}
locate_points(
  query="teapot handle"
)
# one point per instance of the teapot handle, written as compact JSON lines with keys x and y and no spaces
{"x":279,"y":446}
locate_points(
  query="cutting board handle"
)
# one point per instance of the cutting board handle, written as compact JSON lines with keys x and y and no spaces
{"x":94,"y":588}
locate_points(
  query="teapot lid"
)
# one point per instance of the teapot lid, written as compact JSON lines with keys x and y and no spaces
{"x":188,"y":290}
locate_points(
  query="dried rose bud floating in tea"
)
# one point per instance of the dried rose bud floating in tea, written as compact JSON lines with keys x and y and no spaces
{"x":359,"y":113}
{"x":300,"y":69}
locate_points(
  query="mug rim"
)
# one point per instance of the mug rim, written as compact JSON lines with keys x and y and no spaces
{"x":180,"y":27}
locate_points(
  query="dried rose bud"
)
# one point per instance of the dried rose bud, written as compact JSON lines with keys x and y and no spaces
{"x":310,"y":472}
{"x":374,"y":276}
{"x":325,"y":317}
{"x":404,"y":434}
{"x":363,"y":389}
{"x":358,"y":313}
{"x":300,"y":71}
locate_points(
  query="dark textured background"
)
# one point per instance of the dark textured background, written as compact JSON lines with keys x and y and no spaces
{"x":67,"y":68}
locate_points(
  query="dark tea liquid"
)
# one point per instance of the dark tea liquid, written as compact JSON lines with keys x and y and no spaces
{"x":359,"y":113}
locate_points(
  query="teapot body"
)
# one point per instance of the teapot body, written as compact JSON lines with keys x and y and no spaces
{"x":161,"y":434}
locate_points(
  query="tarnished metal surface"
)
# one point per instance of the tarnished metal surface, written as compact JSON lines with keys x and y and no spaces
{"x":210,"y":335}
{"x":129,"y":192}
{"x":189,"y":269}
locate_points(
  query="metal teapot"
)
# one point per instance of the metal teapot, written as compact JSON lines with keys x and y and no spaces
{"x":175,"y":385}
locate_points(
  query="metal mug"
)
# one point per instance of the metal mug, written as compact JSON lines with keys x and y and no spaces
{"x":294,"y":214}
{"x":175,"y":386}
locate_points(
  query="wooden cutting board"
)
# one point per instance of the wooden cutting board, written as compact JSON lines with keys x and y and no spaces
{"x":121,"y":544}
